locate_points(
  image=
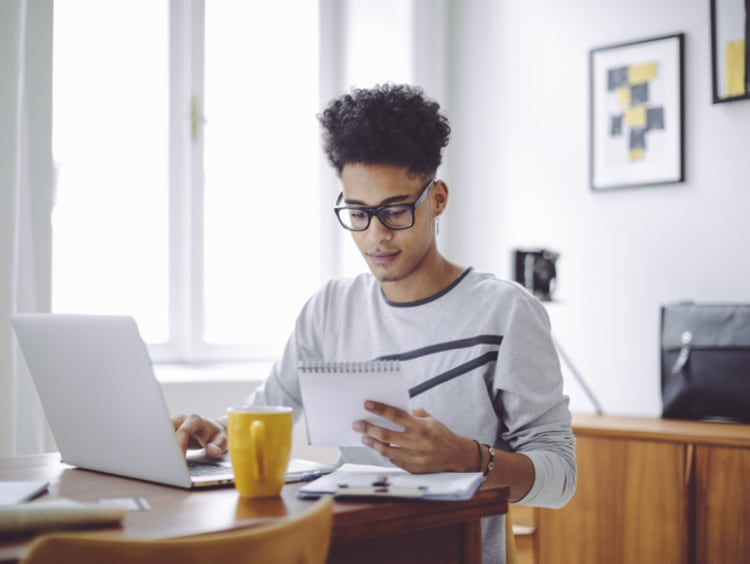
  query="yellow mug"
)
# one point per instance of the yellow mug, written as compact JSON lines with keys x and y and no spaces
{"x":260,"y":441}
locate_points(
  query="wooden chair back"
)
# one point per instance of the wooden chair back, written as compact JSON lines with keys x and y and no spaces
{"x":301,"y":539}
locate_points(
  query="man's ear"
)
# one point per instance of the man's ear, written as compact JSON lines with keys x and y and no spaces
{"x":440,"y":191}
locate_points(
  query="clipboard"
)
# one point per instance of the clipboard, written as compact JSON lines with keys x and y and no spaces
{"x":359,"y":480}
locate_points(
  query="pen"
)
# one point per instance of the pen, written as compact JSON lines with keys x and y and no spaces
{"x":310,"y":476}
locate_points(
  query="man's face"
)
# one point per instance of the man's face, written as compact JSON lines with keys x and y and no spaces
{"x":392,"y":255}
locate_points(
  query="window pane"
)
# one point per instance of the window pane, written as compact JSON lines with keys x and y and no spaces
{"x":110,"y":222}
{"x":262,"y":154}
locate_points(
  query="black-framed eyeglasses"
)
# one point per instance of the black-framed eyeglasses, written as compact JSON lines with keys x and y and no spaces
{"x":396,"y":216}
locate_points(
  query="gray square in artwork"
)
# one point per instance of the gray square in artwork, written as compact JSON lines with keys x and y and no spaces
{"x":655,"y":118}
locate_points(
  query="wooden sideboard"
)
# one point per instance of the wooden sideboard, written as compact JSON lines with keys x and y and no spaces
{"x":652,"y":490}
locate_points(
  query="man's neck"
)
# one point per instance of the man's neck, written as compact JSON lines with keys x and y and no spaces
{"x":423,"y":283}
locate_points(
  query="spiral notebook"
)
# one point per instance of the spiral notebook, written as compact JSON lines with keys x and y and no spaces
{"x":334,"y":394}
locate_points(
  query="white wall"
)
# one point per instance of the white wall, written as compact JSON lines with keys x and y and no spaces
{"x":519,"y":177}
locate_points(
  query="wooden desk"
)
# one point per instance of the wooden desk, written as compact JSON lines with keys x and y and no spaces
{"x":363,"y":532}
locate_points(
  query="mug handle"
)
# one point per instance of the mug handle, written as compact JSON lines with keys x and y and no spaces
{"x":258,"y":438}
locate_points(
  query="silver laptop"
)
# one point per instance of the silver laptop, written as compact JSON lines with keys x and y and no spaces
{"x":103,"y":403}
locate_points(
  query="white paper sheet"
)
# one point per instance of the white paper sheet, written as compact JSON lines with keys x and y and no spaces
{"x":13,"y":492}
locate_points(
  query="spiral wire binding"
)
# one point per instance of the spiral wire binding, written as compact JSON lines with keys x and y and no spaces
{"x":342,"y":366}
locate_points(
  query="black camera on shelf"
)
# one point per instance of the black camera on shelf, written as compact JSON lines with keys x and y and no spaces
{"x":535,"y":269}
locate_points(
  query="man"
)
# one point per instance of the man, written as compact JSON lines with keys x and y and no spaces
{"x":477,"y":351}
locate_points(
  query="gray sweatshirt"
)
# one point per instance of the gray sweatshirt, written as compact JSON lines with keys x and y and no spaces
{"x":478,"y":356}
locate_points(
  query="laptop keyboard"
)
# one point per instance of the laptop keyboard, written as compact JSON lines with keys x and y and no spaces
{"x":202,"y":468}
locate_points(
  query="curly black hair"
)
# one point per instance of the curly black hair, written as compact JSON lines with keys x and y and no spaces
{"x":387,"y":124}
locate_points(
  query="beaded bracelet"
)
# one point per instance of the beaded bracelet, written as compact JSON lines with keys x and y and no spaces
{"x":479,"y":449}
{"x":491,"y":463}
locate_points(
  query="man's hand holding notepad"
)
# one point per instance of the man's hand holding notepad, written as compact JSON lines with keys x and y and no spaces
{"x":334,"y":394}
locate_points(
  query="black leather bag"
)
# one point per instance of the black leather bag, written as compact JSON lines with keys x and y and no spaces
{"x":705,"y":361}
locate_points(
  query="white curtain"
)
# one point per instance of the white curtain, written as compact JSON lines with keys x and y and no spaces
{"x":26,"y":182}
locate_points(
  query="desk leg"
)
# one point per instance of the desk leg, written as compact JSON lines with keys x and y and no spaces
{"x":472,"y":545}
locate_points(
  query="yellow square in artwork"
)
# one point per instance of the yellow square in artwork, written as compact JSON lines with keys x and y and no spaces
{"x":636,"y":117}
{"x":637,"y":154}
{"x":735,"y":56}
{"x":638,"y":74}
{"x":623,"y":97}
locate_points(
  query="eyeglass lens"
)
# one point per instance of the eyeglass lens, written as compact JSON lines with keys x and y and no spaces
{"x":396,"y":217}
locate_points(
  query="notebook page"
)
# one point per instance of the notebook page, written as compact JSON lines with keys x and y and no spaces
{"x":334,"y":394}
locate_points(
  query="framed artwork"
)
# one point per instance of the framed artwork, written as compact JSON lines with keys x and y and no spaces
{"x":730,"y":50}
{"x":637,"y":133}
